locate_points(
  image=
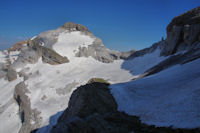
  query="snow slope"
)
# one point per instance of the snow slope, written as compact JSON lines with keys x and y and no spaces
{"x":168,"y":98}
{"x":140,"y":64}
{"x":45,"y":81}
{"x":69,"y":42}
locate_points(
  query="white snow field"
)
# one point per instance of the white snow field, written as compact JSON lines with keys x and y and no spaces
{"x":168,"y":98}
{"x":69,"y":42}
{"x":47,"y":79}
{"x":50,"y":86}
{"x":139,"y":65}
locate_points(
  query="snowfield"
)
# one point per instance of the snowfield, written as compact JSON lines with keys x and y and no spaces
{"x":168,"y":98}
{"x":46,"y":81}
{"x":139,"y":65}
{"x":69,"y":42}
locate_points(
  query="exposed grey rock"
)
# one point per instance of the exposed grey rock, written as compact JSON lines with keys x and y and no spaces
{"x":23,"y":73}
{"x":75,"y":27}
{"x":30,"y":118}
{"x":99,"y":53}
{"x":27,"y":56}
{"x":44,"y":97}
{"x":182,"y":32}
{"x":48,"y":55}
{"x":53,"y":58}
{"x":11,"y":75}
{"x":34,"y":51}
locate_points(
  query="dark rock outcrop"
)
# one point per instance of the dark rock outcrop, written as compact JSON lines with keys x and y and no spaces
{"x":92,"y":109}
{"x":183,"y":32}
{"x":34,"y":51}
{"x":82,"y":106}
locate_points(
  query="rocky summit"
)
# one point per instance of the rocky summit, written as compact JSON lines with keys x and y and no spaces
{"x":66,"y":81}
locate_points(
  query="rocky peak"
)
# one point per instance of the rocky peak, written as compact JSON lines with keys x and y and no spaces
{"x":73,"y":26}
{"x":187,"y":18}
{"x":183,"y":32}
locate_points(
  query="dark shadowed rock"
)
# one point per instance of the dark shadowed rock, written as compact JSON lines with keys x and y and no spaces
{"x":92,"y":109}
{"x":81,"y":104}
{"x":183,"y":31}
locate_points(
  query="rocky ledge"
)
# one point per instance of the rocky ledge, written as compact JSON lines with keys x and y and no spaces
{"x":183,"y":32}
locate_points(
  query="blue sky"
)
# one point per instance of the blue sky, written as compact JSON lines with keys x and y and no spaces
{"x":121,"y":24}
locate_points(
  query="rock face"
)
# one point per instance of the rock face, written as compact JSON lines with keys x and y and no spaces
{"x":92,"y":109}
{"x":34,"y":51}
{"x":48,"y":55}
{"x":80,"y":104}
{"x":53,"y":58}
{"x":96,"y":50}
{"x":72,"y":26}
{"x":183,"y":32}
{"x":11,"y":75}
{"x":29,"y":117}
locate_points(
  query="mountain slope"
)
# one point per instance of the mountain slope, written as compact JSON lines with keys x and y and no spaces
{"x":164,"y":92}
{"x":44,"y":83}
{"x":158,"y":85}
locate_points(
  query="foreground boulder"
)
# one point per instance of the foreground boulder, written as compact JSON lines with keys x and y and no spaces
{"x":92,"y":109}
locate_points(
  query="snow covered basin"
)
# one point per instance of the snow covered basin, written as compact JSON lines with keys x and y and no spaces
{"x":168,"y":98}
